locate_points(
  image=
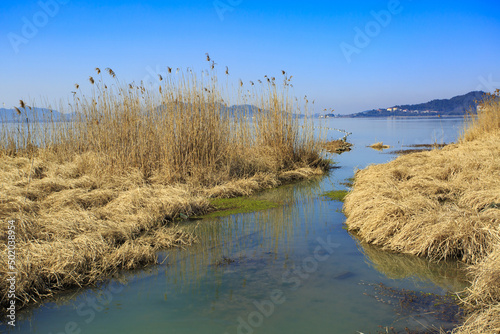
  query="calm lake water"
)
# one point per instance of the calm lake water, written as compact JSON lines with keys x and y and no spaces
{"x":293,"y":269}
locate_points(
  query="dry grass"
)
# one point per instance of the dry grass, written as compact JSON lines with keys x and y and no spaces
{"x":484,"y":321}
{"x":487,"y":119}
{"x":433,"y":204}
{"x":337,"y":146}
{"x":483,"y":297}
{"x":99,"y":194}
{"x":379,"y":146}
{"x":442,"y":204}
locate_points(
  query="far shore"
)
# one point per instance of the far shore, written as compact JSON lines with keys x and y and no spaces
{"x":402,"y":117}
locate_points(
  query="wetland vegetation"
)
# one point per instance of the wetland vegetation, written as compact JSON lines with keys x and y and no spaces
{"x":97,"y":194}
{"x":240,"y":257}
{"x":441,"y":205}
{"x":105,"y":192}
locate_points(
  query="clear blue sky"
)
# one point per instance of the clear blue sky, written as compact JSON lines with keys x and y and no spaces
{"x":422,"y":51}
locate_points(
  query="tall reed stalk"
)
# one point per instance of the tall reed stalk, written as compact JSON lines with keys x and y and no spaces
{"x":98,"y":193}
{"x":183,"y":130}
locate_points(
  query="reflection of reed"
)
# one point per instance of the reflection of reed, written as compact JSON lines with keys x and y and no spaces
{"x":103,"y":294}
{"x":449,"y":275}
{"x":247,"y":238}
{"x":261,"y":237}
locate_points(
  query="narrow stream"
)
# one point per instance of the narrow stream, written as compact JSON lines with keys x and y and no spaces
{"x":293,"y":269}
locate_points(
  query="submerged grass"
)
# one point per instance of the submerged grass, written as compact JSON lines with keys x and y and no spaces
{"x":349,"y":182}
{"x":229,"y":206}
{"x":441,"y":205}
{"x":98,"y":194}
{"x":336,"y":195}
{"x":419,"y":306}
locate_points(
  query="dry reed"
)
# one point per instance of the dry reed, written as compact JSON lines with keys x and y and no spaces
{"x":99,"y":193}
{"x":379,"y":146}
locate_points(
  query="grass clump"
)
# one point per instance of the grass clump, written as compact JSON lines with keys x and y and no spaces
{"x":349,"y":182}
{"x":337,"y":146}
{"x":441,"y":205}
{"x":418,"y":148}
{"x":379,"y":146}
{"x":229,"y":206}
{"x":95,"y":195}
{"x":487,"y":119}
{"x":336,"y":195}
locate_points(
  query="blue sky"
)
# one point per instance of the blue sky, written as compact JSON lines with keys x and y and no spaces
{"x":420,"y":51}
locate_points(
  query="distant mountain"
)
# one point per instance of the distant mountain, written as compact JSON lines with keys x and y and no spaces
{"x":38,"y":114}
{"x":243,"y":109}
{"x":456,"y":106}
{"x":46,"y":115}
{"x":235,"y":110}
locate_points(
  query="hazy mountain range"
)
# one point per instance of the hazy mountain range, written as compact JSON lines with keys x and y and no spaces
{"x":456,"y":106}
{"x":39,"y":114}
{"x":47,"y":115}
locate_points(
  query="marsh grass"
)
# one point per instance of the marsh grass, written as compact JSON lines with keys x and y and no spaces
{"x":336,"y":195}
{"x":379,"y":146}
{"x":441,"y":205}
{"x":337,"y":146}
{"x":229,"y":206}
{"x":487,"y":119}
{"x":99,"y":193}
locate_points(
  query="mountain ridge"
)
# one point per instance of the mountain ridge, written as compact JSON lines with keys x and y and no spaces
{"x":458,"y":105}
{"x":38,"y":114}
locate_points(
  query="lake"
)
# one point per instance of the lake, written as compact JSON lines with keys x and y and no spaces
{"x":293,"y":269}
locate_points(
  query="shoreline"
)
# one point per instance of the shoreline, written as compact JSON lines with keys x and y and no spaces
{"x":439,"y":205}
{"x":404,"y":117}
{"x":100,"y":194}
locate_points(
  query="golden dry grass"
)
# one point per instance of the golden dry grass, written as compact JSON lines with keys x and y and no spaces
{"x":99,"y":194}
{"x":379,"y":146}
{"x":433,"y":204}
{"x":487,"y":119}
{"x":442,"y":204}
{"x":337,"y":146}
{"x":483,"y":321}
{"x":483,"y":297}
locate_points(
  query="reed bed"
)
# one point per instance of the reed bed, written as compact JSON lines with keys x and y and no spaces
{"x":102,"y":192}
{"x":442,"y":204}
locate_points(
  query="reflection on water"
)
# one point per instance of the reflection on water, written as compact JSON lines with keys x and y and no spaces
{"x":268,"y":234}
{"x":291,"y":269}
{"x":448,"y":275}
